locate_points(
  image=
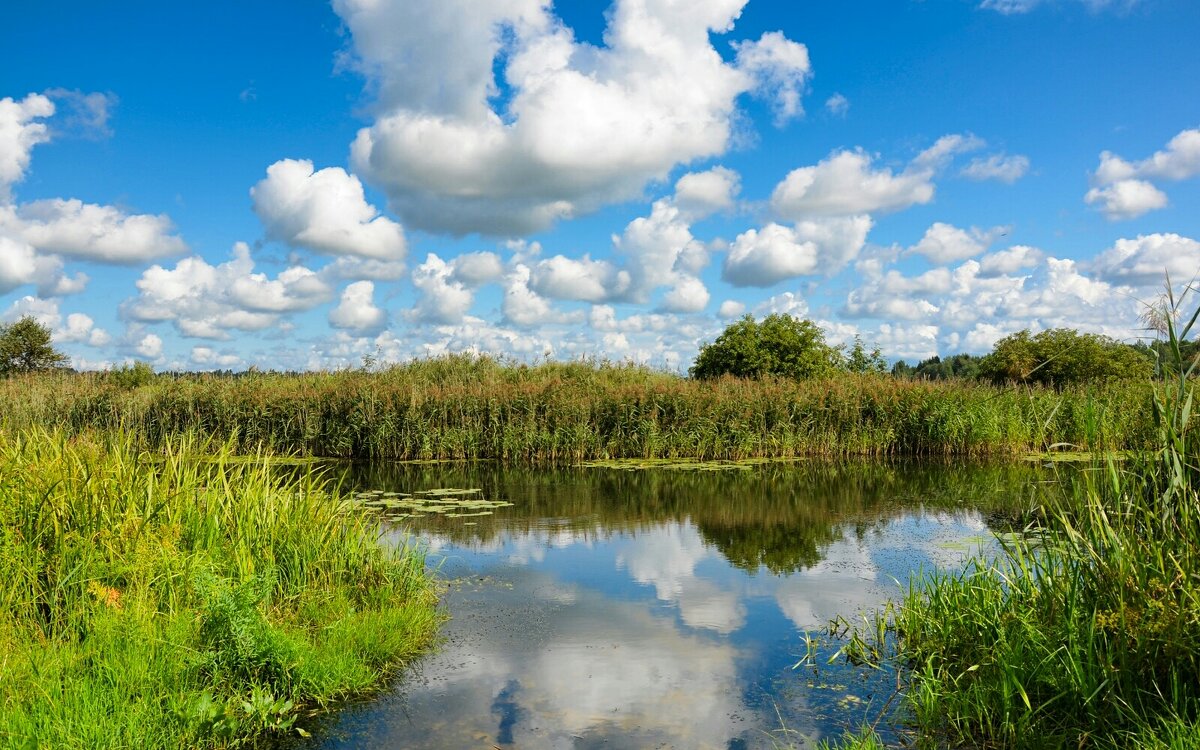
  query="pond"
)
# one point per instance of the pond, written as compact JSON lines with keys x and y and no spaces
{"x":665,"y":608}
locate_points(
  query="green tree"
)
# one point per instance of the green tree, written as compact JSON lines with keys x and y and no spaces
{"x":963,"y":366}
{"x":780,"y":345}
{"x":860,"y":360}
{"x":25,"y":347}
{"x":1061,"y":356}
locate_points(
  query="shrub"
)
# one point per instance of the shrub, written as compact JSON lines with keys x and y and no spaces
{"x":780,"y":345}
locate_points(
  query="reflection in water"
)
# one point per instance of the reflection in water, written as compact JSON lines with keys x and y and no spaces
{"x":664,"y":609}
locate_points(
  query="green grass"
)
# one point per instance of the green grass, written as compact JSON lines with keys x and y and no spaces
{"x":1086,"y":633}
{"x":465,"y":407}
{"x":153,"y":601}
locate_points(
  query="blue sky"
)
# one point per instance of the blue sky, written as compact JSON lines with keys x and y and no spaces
{"x":295,"y":185}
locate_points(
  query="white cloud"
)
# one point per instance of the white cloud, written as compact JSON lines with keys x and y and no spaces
{"x":1122,"y":188}
{"x":764,"y":257}
{"x":1015,"y":7}
{"x":944,"y":243}
{"x":442,"y":298}
{"x":700,"y":194}
{"x":787,"y":303}
{"x":584,"y":279}
{"x":324,"y":211}
{"x":837,"y":105}
{"x":20,"y":131}
{"x":206,"y":301}
{"x":1147,"y":260}
{"x":845,"y":184}
{"x":1000,"y":167}
{"x":688,"y":296}
{"x":87,"y":231}
{"x":44,"y":311}
{"x":1012,"y":260}
{"x":206,"y":356}
{"x":1126,"y":199}
{"x":576,"y":127}
{"x":731,"y":308}
{"x":80,"y":328}
{"x":20,"y":264}
{"x":357,"y":311}
{"x":524,"y":307}
{"x":781,"y":69}
{"x":774,"y":253}
{"x":150,"y":346}
{"x":477,"y":269}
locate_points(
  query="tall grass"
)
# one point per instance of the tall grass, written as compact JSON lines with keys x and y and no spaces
{"x":465,"y":407}
{"x":1086,"y":633}
{"x":153,"y":600}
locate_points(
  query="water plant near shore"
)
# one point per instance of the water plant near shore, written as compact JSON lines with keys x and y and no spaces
{"x":157,"y":601}
{"x":1086,"y":632}
{"x":468,"y":407}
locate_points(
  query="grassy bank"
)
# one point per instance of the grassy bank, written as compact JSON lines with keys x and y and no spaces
{"x":1087,"y":632}
{"x":152,"y":601}
{"x":465,"y":407}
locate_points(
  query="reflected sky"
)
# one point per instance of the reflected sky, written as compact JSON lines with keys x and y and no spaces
{"x":573,"y":629}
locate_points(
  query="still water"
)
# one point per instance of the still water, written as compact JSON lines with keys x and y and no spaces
{"x":666,"y":608}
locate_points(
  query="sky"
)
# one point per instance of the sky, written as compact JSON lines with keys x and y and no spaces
{"x":302,"y":185}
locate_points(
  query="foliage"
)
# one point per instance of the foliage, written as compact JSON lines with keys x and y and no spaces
{"x":158,"y":601}
{"x":132,"y":376}
{"x":859,"y":360}
{"x":780,"y":346}
{"x":1087,"y":631}
{"x":25,"y":347}
{"x":964,"y":366}
{"x":1062,"y":356}
{"x":464,"y":407}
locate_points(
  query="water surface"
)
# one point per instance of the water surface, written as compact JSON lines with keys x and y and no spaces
{"x":667,"y":609}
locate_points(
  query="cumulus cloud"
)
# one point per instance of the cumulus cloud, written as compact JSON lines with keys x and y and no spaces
{"x":780,"y":68}
{"x":149,"y":346}
{"x":846,"y":183}
{"x":1010,"y":261}
{"x":20,"y":264}
{"x":21,"y":128}
{"x":731,"y":308}
{"x":357,"y":311}
{"x":207,"y":301}
{"x":688,"y":296}
{"x":86,"y":231}
{"x":442,"y":298}
{"x":776,"y":252}
{"x":477,"y":269}
{"x":80,"y":328}
{"x":580,"y":279}
{"x":1146,"y":260}
{"x":944,"y":243}
{"x":324,"y":211}
{"x":1122,"y":189}
{"x":1126,"y":199}
{"x":700,"y":194}
{"x":999,"y":167}
{"x":574,"y":127}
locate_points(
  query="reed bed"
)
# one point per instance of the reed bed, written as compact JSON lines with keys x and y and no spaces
{"x":155,"y":600}
{"x":1086,"y":632}
{"x":466,"y":407}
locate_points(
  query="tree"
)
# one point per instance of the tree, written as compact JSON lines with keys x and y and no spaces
{"x":780,"y":345}
{"x":25,"y":347}
{"x":1061,"y":356}
{"x":963,"y":366}
{"x":860,"y":360}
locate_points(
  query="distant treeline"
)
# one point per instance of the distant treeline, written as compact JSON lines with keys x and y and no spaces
{"x":468,"y":407}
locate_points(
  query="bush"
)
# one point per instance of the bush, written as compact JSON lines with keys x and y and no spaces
{"x":780,"y":345}
{"x":1062,"y":356}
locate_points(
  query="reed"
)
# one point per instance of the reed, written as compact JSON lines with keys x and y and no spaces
{"x":1086,"y":632}
{"x":155,"y":600}
{"x":467,"y":407}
